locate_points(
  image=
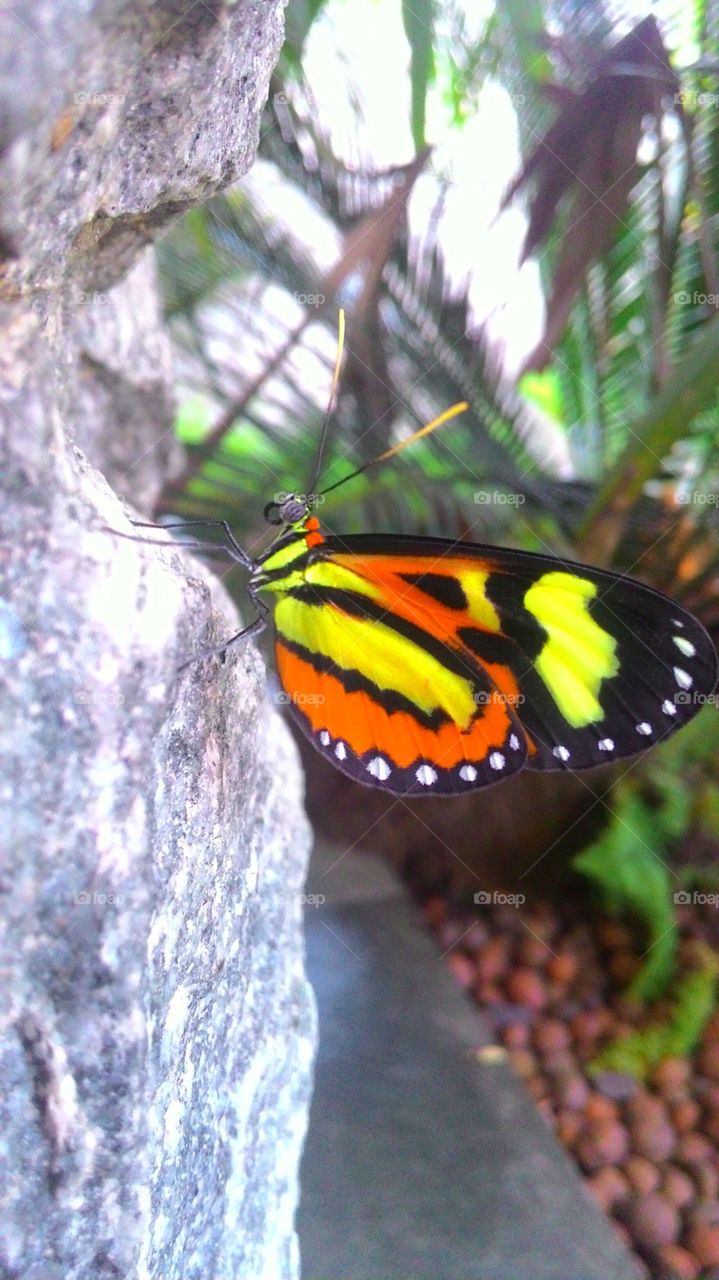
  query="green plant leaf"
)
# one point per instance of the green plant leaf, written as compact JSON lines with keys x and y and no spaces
{"x":678,"y":1036}
{"x":626,"y":865}
{"x":418,"y":19}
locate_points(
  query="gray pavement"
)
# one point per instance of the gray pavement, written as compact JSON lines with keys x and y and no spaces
{"x":426,"y":1158}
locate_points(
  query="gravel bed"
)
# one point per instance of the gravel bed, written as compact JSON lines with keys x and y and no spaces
{"x":552,"y":983}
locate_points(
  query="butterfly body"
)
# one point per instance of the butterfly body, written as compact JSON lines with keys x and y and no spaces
{"x":429,"y":667}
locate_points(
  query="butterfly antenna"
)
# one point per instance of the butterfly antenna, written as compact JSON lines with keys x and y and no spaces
{"x":333,"y":397}
{"x":448,"y":414}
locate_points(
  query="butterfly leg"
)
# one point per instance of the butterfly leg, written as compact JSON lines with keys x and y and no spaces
{"x":233,"y":547}
{"x":219,"y":650}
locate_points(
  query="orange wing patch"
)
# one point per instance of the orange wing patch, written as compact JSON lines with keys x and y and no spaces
{"x":375,"y":743}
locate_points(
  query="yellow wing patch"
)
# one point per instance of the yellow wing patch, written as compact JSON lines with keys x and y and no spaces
{"x":578,"y":654}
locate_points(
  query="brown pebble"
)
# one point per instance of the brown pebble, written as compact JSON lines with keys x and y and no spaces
{"x":570,"y":1091}
{"x":435,"y":910}
{"x":678,"y":1187}
{"x":450,"y":933}
{"x":614,"y":935}
{"x":711,"y":1126}
{"x":542,"y":922}
{"x":589,"y":1025}
{"x":641,"y":1174}
{"x":606,"y":1144}
{"x":645,"y":1107}
{"x":652,"y":1220}
{"x":693,"y":1148}
{"x":655,"y":1141}
{"x":623,"y":966}
{"x":623,"y":1030}
{"x":515,"y":1035}
{"x":708,"y":1214}
{"x":685,"y":1115}
{"x":461,"y":968}
{"x":562,"y":968}
{"x":523,"y":1062}
{"x":708,"y":1060}
{"x":537,"y":1087}
{"x":526,"y":987}
{"x":671,"y":1076}
{"x":711,"y":1030}
{"x":533,"y":952}
{"x":599,"y":1109}
{"x":671,"y":1262}
{"x":706,"y":1177}
{"x":608,"y":1186}
{"x":546,"y":1110}
{"x":508,"y":920}
{"x":569,"y":1127}
{"x":476,"y":936}
{"x":557,"y":1064}
{"x":492,"y":959}
{"x":626,"y":1008}
{"x":706,"y":1091}
{"x":551,"y":1036}
{"x":703,"y":1242}
{"x":487,"y":993}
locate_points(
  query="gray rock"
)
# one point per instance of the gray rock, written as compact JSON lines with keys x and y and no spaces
{"x":157,"y":1027}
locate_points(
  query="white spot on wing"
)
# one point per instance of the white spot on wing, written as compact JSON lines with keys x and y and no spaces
{"x":562,"y":753}
{"x":644,"y":728}
{"x":496,"y":760}
{"x":668,"y":708}
{"x":325,"y":738}
{"x":468,"y":773}
{"x":379,"y":769}
{"x":606,"y":744}
{"x":679,"y":624}
{"x":426,"y":775}
{"x":341,"y":751}
{"x":683,"y":678}
{"x":685,"y":646}
{"x":514,"y":742}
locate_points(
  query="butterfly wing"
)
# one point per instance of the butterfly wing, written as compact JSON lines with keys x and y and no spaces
{"x":399,"y":635}
{"x":393,"y":704}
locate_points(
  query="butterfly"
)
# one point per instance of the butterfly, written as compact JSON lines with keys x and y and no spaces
{"x":426,"y":666}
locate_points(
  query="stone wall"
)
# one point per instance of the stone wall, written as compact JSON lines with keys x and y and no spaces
{"x":157,"y":1027}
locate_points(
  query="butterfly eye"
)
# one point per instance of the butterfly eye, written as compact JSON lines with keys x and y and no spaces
{"x":273,"y":513}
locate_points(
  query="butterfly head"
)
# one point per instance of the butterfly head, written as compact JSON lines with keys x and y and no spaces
{"x":287,"y":508}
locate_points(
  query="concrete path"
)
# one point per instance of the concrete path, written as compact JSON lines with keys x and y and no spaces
{"x":425,"y":1159}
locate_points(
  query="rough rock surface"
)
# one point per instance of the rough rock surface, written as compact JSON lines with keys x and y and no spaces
{"x":157,"y":1029}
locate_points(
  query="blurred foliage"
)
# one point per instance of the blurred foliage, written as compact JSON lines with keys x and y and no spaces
{"x":678,"y":1035}
{"x":671,"y":798}
{"x":605,"y":448}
